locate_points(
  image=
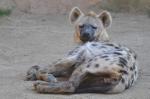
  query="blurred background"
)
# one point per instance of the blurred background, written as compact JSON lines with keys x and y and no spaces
{"x":63,"y":6}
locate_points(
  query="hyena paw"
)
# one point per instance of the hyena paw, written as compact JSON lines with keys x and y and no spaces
{"x":31,"y":73}
{"x":51,"y":78}
{"x":39,"y":82}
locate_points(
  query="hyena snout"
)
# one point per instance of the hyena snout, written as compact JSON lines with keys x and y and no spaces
{"x":87,"y":32}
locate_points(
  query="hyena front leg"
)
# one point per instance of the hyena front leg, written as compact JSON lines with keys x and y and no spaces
{"x":62,"y":86}
{"x":60,"y":68}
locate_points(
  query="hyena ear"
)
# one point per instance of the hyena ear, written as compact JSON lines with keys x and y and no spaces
{"x":75,"y":14}
{"x":106,"y":18}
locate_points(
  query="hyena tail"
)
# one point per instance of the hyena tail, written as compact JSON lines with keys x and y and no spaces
{"x":98,"y":89}
{"x":93,"y":84}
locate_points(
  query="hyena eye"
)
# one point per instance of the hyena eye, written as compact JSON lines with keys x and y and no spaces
{"x":81,"y":26}
{"x":94,"y":27}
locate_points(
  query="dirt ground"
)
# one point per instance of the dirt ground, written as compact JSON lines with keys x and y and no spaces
{"x":27,"y":40}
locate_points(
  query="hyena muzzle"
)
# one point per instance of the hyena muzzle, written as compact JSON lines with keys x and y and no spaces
{"x":94,"y":66}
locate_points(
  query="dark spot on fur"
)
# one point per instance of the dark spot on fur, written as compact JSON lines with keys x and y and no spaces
{"x":94,"y":44}
{"x":119,"y":49}
{"x":74,"y":51}
{"x":90,"y":60}
{"x":110,"y":44}
{"x":135,"y":56}
{"x":115,"y":79}
{"x":83,"y":60}
{"x":70,"y":53}
{"x":135,"y":72}
{"x":132,"y":81}
{"x":120,"y":65}
{"x":88,"y":66}
{"x":131,"y":68}
{"x":79,"y":58}
{"x":132,"y":78}
{"x":117,"y":53}
{"x":102,"y":47}
{"x":134,"y":66}
{"x":96,"y":65}
{"x":123,"y":80}
{"x":124,"y":72}
{"x":104,"y":56}
{"x":122,"y":62}
{"x":107,"y":59}
{"x":116,"y":47}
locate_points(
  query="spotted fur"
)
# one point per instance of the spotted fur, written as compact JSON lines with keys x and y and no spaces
{"x":93,"y":66}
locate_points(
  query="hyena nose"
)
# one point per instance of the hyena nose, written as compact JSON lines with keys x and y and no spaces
{"x":87,"y":35}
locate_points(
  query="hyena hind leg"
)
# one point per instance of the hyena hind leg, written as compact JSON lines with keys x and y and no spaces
{"x":63,"y":86}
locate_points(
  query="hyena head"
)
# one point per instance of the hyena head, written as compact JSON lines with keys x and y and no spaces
{"x":90,"y":26}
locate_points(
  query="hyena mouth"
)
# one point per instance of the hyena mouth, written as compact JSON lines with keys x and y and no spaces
{"x":85,"y":38}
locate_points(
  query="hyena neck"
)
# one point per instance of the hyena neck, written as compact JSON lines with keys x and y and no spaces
{"x":95,"y":40}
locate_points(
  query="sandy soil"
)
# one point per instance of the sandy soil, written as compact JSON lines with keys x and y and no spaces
{"x":26,"y":40}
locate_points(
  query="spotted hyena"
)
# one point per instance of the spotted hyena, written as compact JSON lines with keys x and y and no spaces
{"x":94,"y":66}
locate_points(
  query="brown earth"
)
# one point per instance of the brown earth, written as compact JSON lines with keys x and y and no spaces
{"x":26,"y":40}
